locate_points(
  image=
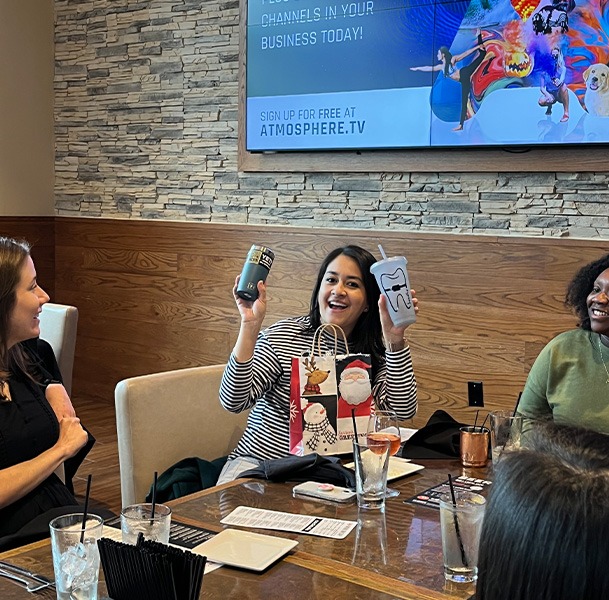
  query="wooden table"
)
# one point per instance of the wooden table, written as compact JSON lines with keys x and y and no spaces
{"x":397,"y":554}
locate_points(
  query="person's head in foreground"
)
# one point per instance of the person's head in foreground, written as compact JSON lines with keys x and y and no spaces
{"x":546,"y":529}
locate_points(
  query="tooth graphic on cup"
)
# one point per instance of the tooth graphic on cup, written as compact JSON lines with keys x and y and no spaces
{"x":394,"y":286}
{"x":392,"y":278}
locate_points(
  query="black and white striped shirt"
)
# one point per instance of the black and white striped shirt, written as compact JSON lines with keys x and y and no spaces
{"x":263,"y":384}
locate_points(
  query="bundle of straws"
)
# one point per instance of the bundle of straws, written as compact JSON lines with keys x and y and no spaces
{"x":150,"y":571}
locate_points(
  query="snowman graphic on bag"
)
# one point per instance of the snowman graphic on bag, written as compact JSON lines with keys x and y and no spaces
{"x":318,"y":435}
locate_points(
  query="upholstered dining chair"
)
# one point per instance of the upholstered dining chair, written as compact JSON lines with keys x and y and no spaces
{"x":58,"y":324}
{"x":164,"y":417}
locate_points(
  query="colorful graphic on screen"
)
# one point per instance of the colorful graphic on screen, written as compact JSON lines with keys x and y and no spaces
{"x":394,"y":74}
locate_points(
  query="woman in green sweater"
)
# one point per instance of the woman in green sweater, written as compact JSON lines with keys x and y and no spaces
{"x":569,"y":381}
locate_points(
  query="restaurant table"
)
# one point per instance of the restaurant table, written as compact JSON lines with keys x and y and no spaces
{"x":395,"y":554}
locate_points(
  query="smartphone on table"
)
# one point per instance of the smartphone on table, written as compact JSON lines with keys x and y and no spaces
{"x":323,"y":491}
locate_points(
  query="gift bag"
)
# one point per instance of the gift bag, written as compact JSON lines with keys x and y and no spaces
{"x":328,"y":394}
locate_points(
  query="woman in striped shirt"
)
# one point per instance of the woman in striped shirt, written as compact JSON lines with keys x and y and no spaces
{"x":257,"y":375}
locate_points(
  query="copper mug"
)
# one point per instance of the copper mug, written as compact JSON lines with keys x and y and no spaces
{"x":474,"y":446}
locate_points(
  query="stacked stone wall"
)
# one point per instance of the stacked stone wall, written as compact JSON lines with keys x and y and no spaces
{"x":146,"y":128}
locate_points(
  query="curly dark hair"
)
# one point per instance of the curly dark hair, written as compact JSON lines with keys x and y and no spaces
{"x":581,"y":286}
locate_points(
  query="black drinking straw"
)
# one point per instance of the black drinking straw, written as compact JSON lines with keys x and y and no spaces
{"x":457,"y":530}
{"x":86,"y":509}
{"x":484,"y":422}
{"x":476,"y":420}
{"x":517,"y":403}
{"x":355,"y":439}
{"x":156,"y":476}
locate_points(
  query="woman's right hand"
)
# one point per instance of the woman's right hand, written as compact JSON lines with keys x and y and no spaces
{"x":252,"y":316}
{"x":251,"y":312}
{"x":72,"y":436}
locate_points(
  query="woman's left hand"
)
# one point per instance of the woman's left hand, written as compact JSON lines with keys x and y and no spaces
{"x":391,"y":333}
{"x":60,"y":402}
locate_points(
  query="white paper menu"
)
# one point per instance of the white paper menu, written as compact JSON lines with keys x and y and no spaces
{"x":246,"y":516}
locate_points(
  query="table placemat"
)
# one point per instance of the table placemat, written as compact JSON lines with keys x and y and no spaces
{"x":185,"y":536}
{"x":431,"y":496}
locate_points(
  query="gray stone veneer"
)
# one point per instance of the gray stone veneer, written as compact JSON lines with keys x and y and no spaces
{"x":146,"y":128}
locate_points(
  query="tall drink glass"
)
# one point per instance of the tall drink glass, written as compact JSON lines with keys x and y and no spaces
{"x":76,"y":560}
{"x":506,"y":432}
{"x":384,"y":425}
{"x":461,"y":525}
{"x":371,"y":462}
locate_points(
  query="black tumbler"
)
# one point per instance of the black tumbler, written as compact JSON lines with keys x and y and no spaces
{"x":256,"y":268}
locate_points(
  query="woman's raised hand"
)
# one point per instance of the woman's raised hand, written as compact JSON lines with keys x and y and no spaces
{"x":72,"y":436}
{"x":252,"y":316}
{"x":251,"y":312}
{"x":391,"y":333}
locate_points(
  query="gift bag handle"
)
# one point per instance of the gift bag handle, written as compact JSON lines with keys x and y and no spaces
{"x":334,"y":328}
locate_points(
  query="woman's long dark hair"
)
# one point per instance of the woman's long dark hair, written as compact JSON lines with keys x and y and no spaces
{"x":13,"y":255}
{"x":580,"y":287}
{"x":448,"y":59}
{"x":367,"y":335}
{"x":546,"y":526}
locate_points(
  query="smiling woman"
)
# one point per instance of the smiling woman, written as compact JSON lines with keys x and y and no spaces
{"x":24,"y":323}
{"x":569,"y":381}
{"x":38,"y":427}
{"x":258,"y":372}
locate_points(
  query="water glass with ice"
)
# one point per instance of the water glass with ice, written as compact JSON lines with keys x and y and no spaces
{"x":461,"y":524}
{"x":76,"y":556}
{"x":139,"y":518}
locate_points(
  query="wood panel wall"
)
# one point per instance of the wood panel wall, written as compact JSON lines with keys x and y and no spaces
{"x":155,"y":296}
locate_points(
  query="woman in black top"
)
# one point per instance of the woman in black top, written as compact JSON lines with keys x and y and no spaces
{"x":38,"y":426}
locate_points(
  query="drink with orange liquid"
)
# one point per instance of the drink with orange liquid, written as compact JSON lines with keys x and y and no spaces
{"x":375,"y":439}
{"x":383,"y":427}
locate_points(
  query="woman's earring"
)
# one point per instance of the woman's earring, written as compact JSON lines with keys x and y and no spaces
{"x":366,"y":309}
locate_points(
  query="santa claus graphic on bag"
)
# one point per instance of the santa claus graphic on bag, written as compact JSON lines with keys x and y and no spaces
{"x":355,"y":390}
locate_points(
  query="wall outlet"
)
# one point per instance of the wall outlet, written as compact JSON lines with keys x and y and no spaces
{"x":475,"y":395}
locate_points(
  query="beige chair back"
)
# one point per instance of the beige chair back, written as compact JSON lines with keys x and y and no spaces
{"x":58,"y":324}
{"x":165,"y":417}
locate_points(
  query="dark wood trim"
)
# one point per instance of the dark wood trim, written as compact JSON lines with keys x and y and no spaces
{"x":40,"y":233}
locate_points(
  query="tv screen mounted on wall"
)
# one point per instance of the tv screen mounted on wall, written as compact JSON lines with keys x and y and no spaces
{"x":389,"y":74}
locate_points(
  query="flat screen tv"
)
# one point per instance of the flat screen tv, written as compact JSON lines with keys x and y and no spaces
{"x":372,"y":74}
